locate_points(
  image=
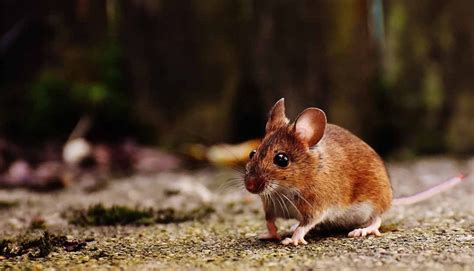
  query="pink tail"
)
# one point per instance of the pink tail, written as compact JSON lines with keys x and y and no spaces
{"x":430,"y":192}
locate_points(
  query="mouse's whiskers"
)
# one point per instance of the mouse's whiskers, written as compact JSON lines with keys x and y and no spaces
{"x":280,"y":197}
{"x":268,"y":199}
{"x":233,"y":183}
{"x":288,"y":196}
{"x":236,"y":169}
{"x":295,"y":193}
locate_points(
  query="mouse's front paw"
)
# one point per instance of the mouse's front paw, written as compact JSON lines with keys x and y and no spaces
{"x":295,"y":241}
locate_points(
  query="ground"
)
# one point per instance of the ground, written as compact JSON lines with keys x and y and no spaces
{"x":433,"y":235}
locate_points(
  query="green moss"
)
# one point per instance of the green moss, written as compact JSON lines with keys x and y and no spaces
{"x":98,"y":215}
{"x":4,"y":204}
{"x":33,"y":247}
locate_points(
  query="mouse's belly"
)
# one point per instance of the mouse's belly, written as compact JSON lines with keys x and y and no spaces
{"x":333,"y":217}
{"x":347,"y":217}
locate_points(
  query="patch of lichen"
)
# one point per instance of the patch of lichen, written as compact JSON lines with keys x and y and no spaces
{"x":33,"y":247}
{"x":99,"y":215}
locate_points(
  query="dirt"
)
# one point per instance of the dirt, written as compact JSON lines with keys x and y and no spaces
{"x":437,"y":234}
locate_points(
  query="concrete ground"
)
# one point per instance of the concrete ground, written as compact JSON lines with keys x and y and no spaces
{"x":437,"y":234}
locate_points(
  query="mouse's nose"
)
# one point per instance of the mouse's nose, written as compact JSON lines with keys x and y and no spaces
{"x":254,"y":185}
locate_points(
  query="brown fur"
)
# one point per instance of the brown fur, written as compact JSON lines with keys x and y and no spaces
{"x":340,"y":170}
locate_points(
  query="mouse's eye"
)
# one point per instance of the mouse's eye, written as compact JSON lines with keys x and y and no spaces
{"x":281,"y":160}
{"x":252,"y":153}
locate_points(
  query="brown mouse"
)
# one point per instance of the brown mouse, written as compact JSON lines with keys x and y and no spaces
{"x":320,"y":174}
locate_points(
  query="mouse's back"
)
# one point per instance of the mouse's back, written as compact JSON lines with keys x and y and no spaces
{"x":356,"y":171}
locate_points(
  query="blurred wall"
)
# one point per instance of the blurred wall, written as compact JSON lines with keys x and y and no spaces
{"x":396,"y":73}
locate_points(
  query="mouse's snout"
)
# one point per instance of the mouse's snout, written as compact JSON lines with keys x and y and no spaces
{"x":254,"y":185}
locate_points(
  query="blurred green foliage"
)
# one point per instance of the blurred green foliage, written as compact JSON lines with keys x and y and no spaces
{"x":170,"y":72}
{"x":57,"y":99}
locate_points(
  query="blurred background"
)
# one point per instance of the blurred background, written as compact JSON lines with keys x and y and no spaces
{"x":170,"y":73}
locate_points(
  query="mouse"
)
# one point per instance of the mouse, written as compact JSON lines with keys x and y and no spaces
{"x":321,"y":175}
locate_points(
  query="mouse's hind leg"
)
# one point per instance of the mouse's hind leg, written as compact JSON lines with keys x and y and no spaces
{"x":372,"y":228}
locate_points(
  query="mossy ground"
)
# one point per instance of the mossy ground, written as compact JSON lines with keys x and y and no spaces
{"x":434,"y":235}
{"x":4,"y":204}
{"x":99,"y":215}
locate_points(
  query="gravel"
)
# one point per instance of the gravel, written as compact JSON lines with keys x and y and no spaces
{"x":437,"y":234}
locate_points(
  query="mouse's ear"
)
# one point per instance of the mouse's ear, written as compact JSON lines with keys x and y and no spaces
{"x":310,"y":125}
{"x":277,"y":117}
